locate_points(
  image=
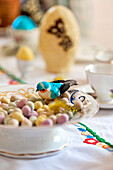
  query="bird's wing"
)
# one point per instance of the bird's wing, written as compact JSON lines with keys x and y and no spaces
{"x":55,"y":93}
{"x":71,"y":82}
{"x":64,"y":88}
{"x":66,"y":84}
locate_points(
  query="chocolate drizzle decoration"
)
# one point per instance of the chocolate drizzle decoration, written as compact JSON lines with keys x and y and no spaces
{"x":60,"y":32}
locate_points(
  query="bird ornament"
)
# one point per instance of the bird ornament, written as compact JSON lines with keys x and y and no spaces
{"x":54,"y":89}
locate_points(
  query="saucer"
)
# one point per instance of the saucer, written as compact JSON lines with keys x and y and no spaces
{"x":105,"y":105}
{"x":87,"y":89}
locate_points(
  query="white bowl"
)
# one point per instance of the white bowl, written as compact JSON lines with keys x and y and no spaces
{"x":35,"y":142}
{"x":100,"y":77}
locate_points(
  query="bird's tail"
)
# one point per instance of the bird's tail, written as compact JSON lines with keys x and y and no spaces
{"x":70,"y":82}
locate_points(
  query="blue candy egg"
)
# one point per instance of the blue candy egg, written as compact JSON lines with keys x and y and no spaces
{"x":23,"y":23}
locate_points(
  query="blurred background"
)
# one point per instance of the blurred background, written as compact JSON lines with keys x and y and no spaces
{"x":94,"y":17}
{"x":95,"y":22}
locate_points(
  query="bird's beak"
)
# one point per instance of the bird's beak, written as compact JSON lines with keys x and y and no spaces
{"x":37,"y":90}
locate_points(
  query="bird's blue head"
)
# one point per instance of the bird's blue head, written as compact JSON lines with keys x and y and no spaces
{"x":42,"y":86}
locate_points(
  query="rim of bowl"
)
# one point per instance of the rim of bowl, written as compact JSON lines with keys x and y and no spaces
{"x":89,"y":67}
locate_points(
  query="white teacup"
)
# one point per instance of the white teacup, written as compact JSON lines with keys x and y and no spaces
{"x":100,"y":77}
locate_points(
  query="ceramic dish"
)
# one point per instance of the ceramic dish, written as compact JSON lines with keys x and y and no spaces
{"x":35,"y":142}
{"x":103,"y":105}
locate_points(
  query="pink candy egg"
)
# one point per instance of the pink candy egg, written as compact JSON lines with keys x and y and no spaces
{"x":63,"y":118}
{"x":47,"y":122}
{"x":21,"y":103}
{"x":34,"y":113}
{"x":26,"y":110}
{"x":1,"y":118}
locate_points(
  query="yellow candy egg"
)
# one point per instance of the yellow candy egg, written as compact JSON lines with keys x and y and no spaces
{"x":39,"y":121}
{"x":42,"y":116}
{"x":1,"y":109}
{"x":5,"y":100}
{"x":40,"y":110}
{"x":25,"y":53}
{"x":38,"y":105}
{"x":26,"y":122}
{"x":18,"y":116}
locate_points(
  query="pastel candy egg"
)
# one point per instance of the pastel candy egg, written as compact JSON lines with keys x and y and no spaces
{"x":65,"y":100}
{"x":5,"y":112}
{"x":78,"y":105}
{"x":39,"y":121}
{"x":2,"y":113}
{"x":13,"y":98}
{"x":26,"y":110}
{"x":53,"y":118}
{"x":10,"y":111}
{"x":11,"y":107}
{"x":70,"y":114}
{"x":62,"y":109}
{"x":67,"y":95}
{"x":40,"y":110}
{"x":13,"y":122}
{"x":18,"y":116}
{"x":5,"y":100}
{"x":21,"y":103}
{"x":26,"y":122}
{"x":46,"y":107}
{"x":4,"y":106}
{"x":47,"y":122}
{"x":30,"y":104}
{"x":17,"y":110}
{"x":49,"y":113}
{"x":38,"y":105}
{"x":33,"y":98}
{"x":69,"y":104}
{"x":58,"y":115}
{"x":16,"y":101}
{"x":34,"y":113}
{"x":1,"y":108}
{"x":43,"y":115}
{"x":33,"y":119}
{"x":13,"y":104}
{"x":1,"y":119}
{"x":63,"y":118}
{"x":6,"y":119}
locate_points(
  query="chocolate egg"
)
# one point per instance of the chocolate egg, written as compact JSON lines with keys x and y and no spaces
{"x":59,"y":38}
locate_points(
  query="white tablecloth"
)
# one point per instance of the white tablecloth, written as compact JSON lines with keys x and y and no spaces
{"x":79,"y":155}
